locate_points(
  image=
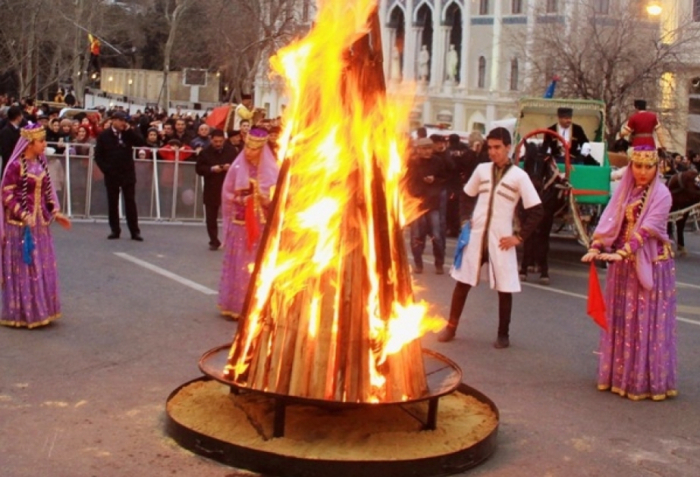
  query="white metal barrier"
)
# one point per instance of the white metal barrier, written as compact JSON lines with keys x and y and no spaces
{"x":168,"y":190}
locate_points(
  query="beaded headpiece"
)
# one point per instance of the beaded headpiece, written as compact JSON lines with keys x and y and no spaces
{"x":33,"y":132}
{"x":256,"y":138}
{"x":645,"y":155}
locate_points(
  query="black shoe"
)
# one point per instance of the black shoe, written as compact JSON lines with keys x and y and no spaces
{"x":418,"y":270}
{"x":214,"y":247}
{"x":137,"y":237}
{"x":112,"y":236}
{"x":439,"y":270}
{"x":501,"y":342}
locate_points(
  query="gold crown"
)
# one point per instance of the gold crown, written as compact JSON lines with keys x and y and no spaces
{"x":255,"y":142}
{"x":31,"y":134}
{"x":649,"y":158}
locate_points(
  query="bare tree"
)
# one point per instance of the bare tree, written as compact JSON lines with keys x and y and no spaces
{"x":615,"y":56}
{"x":243,"y":33}
{"x":173,"y":16}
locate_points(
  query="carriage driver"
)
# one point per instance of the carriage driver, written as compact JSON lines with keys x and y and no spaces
{"x":499,"y":186}
{"x":570,"y":131}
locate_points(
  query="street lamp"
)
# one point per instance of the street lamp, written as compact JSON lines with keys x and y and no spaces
{"x":654,"y":9}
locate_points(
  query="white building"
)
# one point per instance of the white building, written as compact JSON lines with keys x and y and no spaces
{"x":480,"y":80}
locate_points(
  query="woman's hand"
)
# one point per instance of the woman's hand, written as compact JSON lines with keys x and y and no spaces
{"x":610,"y":257}
{"x":63,"y":221}
{"x":590,"y":256}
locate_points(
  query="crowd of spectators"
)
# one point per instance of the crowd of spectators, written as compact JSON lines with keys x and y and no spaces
{"x":180,"y":136}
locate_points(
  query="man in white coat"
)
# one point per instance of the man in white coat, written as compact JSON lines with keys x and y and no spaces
{"x":493,"y":192}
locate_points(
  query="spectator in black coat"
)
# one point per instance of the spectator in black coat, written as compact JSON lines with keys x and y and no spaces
{"x":9,"y":135}
{"x":426,"y":176}
{"x":115,"y":158}
{"x":213,"y":163}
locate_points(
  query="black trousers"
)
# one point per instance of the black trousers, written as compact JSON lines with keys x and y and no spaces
{"x":129,"y":192}
{"x":211,"y":213}
{"x":459,"y":298}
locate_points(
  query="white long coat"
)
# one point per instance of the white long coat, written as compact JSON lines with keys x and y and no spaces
{"x":493,"y":218}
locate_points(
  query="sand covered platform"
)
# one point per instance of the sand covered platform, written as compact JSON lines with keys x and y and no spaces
{"x":205,"y":417}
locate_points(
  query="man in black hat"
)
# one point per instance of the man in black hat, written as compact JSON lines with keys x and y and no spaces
{"x":642,"y":125}
{"x":572,"y":133}
{"x":115,"y":157}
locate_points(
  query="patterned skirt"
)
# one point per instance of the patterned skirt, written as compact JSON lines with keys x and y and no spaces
{"x":239,"y":262}
{"x":30,"y":295}
{"x":638,"y":353}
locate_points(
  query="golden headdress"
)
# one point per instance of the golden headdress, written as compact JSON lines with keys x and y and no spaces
{"x":645,"y":155}
{"x":33,"y":132}
{"x":256,"y":138}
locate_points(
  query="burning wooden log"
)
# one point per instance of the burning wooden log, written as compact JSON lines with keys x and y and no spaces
{"x":331,"y":284}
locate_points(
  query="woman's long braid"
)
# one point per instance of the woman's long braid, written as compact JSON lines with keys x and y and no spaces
{"x":47,"y":193}
{"x":25,"y":184}
{"x":23,"y":172}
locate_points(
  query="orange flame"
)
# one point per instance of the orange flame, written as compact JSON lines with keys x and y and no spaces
{"x":338,"y":142}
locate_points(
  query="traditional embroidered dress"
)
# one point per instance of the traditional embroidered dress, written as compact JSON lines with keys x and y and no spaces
{"x":638,"y":352}
{"x":30,"y":293}
{"x":245,"y":192}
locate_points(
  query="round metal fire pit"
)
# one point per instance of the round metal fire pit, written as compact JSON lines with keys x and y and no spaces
{"x":444,"y":381}
{"x":443,"y":376}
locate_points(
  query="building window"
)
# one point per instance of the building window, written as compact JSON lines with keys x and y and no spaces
{"x":696,"y":10}
{"x":514,"y":74}
{"x":483,"y":7}
{"x":602,"y":6}
{"x":517,"y":7}
{"x":552,"y":6}
{"x":481,"y":83}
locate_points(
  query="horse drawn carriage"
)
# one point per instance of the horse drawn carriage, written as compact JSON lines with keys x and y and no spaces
{"x":580,"y":191}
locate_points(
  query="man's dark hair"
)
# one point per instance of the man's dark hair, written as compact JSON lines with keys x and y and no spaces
{"x":421,"y":132}
{"x":247,"y":121}
{"x":454,"y":140}
{"x":640,"y":104}
{"x":216,"y":133}
{"x":13,"y":113}
{"x":500,"y":134}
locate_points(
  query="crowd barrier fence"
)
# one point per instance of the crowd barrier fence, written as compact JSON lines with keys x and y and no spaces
{"x":166,"y":190}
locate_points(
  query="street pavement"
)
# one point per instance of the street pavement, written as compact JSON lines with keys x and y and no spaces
{"x":86,"y":396}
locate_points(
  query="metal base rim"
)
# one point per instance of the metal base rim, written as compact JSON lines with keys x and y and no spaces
{"x":449,"y":383}
{"x":272,"y":464}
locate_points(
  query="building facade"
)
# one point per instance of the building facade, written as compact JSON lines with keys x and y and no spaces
{"x":470,"y":58}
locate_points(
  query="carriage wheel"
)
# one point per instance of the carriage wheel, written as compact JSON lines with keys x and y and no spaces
{"x":537,"y":132}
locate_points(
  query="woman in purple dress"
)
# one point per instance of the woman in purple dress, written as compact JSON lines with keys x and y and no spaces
{"x":245,"y":200}
{"x":29,"y":205}
{"x":638,"y":350}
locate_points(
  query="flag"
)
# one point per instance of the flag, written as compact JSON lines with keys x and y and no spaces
{"x":462,"y":243}
{"x":596,"y":303}
{"x":251,"y":222}
{"x":217,"y":117}
{"x":552,"y":86}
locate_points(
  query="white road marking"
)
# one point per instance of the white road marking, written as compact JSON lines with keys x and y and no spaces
{"x":168,"y":274}
{"x":584,"y":297}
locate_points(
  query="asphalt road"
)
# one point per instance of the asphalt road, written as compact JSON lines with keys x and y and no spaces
{"x":86,"y":396}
